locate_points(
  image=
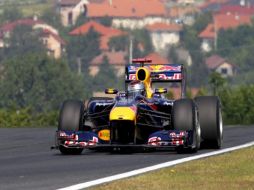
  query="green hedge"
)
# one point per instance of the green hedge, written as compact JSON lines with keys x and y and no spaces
{"x":238,"y":104}
{"x":26,"y":118}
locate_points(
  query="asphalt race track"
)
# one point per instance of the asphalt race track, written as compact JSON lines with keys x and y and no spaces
{"x":26,"y":161}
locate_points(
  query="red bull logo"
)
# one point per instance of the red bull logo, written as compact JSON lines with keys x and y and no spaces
{"x":161,"y":68}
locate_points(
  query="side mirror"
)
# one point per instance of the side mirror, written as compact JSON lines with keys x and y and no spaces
{"x":111,"y":91}
{"x":161,"y":90}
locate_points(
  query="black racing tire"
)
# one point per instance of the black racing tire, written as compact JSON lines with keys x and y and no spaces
{"x":71,"y":118}
{"x":210,"y":119}
{"x":184,"y":117}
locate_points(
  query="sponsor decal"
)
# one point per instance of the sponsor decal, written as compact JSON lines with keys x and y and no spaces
{"x":93,"y":142}
{"x":132,"y":77}
{"x":154,"y":141}
{"x":177,"y":134}
{"x":161,"y":68}
{"x":71,"y":143}
{"x":168,"y":103}
{"x":177,"y":142}
{"x":157,"y":68}
{"x":104,"y":134}
{"x":177,"y":138}
{"x":175,"y":76}
{"x":62,"y":134}
{"x":172,"y":134}
{"x":102,"y":104}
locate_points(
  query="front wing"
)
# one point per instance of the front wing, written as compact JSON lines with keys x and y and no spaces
{"x":159,"y":139}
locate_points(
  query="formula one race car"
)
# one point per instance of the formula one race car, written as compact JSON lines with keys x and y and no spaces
{"x":141,"y":116}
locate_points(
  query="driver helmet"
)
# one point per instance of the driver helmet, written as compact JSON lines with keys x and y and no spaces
{"x":136,"y":87}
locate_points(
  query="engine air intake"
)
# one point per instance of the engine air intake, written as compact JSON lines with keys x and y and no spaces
{"x":141,"y":74}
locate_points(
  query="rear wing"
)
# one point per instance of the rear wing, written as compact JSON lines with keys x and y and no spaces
{"x":159,"y":73}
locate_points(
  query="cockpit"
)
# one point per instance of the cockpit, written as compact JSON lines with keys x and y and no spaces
{"x":136,"y":88}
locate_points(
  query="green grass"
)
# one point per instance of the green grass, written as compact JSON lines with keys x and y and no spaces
{"x":231,"y":171}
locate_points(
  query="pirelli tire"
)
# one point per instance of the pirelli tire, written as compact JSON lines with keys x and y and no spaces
{"x":210,"y":118}
{"x":71,"y":118}
{"x":185,"y":117}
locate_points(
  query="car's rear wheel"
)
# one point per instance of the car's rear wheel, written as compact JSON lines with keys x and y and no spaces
{"x":210,"y":119}
{"x":184,"y":116}
{"x":71,"y":119}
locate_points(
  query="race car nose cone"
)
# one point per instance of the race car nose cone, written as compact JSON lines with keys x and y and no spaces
{"x":122,"y":113}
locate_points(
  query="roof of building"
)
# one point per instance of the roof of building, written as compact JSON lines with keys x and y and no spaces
{"x":126,"y":8}
{"x":157,"y":58}
{"x":214,"y":61}
{"x":105,"y":32}
{"x":237,"y":9}
{"x":164,"y":27}
{"x":69,"y":2}
{"x":11,"y":25}
{"x":208,"y":32}
{"x":104,"y":41}
{"x":224,"y":21}
{"x":114,"y":58}
{"x":101,"y":29}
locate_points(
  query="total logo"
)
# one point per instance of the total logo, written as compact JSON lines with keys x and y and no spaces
{"x":104,"y":134}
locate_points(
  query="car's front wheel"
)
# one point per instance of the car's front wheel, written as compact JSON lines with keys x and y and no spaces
{"x":184,"y":115}
{"x":71,"y":118}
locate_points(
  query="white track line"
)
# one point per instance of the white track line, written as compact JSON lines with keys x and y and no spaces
{"x":152,"y":168}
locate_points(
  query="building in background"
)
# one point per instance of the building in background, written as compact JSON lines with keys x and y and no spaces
{"x":215,"y":63}
{"x":221,"y":22}
{"x":106,"y":33}
{"x":164,"y":35}
{"x":228,"y":14}
{"x":131,"y":14}
{"x":157,"y":59}
{"x":48,"y":35}
{"x":117,"y":60}
{"x":70,"y":10}
{"x":54,"y":43}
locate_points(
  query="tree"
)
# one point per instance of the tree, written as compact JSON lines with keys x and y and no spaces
{"x":141,"y":37}
{"x":172,"y":55}
{"x":119,"y":43}
{"x":106,"y":77}
{"x":106,"y":21}
{"x":82,"y":19}
{"x":237,"y":45}
{"x":10,"y":13}
{"x":36,"y":81}
{"x":197,"y":72}
{"x":51,"y":17}
{"x":190,"y":34}
{"x":237,"y":104}
{"x":82,"y":49}
{"x":23,"y":40}
{"x":216,"y":82}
